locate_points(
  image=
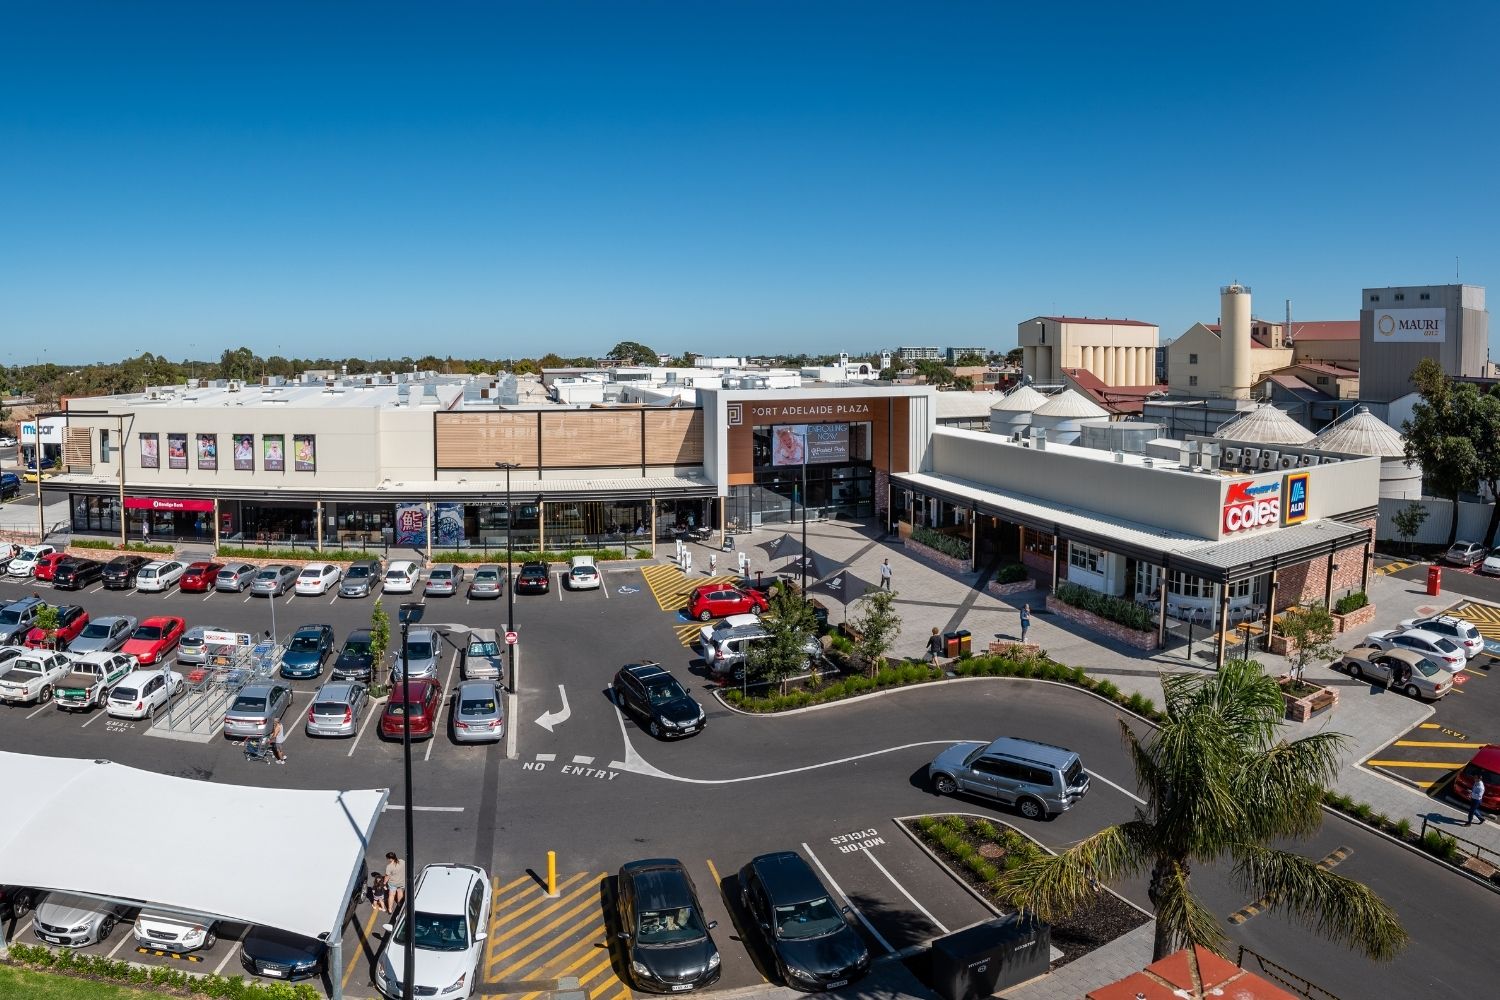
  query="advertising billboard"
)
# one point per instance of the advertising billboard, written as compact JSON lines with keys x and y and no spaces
{"x":1410,"y":326}
{"x":411,"y":524}
{"x":1294,"y":498}
{"x":793,"y":444}
{"x":1248,"y":504}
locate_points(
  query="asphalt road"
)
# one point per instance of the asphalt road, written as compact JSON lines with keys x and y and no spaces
{"x":600,"y":792}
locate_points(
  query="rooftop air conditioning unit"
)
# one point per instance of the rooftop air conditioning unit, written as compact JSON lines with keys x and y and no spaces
{"x":236,"y":385}
{"x":1119,"y":456}
{"x":1252,"y":458}
{"x":1268,"y":460}
{"x":1307,"y":460}
{"x":1232,"y":457}
{"x":1017,"y":436}
{"x":1329,"y":460}
{"x":1289,"y":461}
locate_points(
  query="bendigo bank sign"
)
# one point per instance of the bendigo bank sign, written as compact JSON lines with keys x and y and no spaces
{"x":1251,"y":505}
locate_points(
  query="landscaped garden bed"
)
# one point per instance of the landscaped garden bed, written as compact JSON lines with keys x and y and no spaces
{"x":980,"y":851}
{"x":1305,"y":700}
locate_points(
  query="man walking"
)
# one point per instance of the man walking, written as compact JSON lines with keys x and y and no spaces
{"x":885,"y":574}
{"x":1025,"y":621}
{"x":1476,"y":796}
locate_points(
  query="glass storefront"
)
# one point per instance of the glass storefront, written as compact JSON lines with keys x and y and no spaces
{"x":835,"y":477}
{"x":95,"y":515}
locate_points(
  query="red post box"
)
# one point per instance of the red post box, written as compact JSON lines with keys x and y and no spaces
{"x":1434,"y":580}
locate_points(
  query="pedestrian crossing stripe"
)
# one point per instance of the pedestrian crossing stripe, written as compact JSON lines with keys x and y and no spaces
{"x":535,"y":940}
{"x":671,"y":587}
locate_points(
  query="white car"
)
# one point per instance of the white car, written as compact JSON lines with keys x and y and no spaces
{"x":24,"y":564}
{"x":316,"y":578}
{"x":142,"y":693}
{"x":1491,"y":562}
{"x":452,"y":904}
{"x":1452,"y":627}
{"x":168,"y":932}
{"x":158,"y":576}
{"x":401,"y":577}
{"x":706,"y":633}
{"x":1439,"y":648}
{"x":583,"y":574}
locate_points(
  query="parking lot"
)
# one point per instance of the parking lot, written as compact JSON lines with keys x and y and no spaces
{"x":1427,"y":755}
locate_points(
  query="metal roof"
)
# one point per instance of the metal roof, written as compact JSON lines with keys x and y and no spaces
{"x":1264,"y":425}
{"x":1070,"y":404}
{"x":1363,"y":434}
{"x":1023,"y":398}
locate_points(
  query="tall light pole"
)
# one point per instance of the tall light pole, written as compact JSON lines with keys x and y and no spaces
{"x":804,"y":515}
{"x":510,"y":590}
{"x":410,"y":612}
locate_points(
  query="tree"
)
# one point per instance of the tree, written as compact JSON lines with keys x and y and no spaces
{"x":240,"y":363}
{"x":1437,"y":437}
{"x":877,"y":626}
{"x":935,"y":373}
{"x":1312,"y":630}
{"x":969,"y":360}
{"x":633,"y":352}
{"x":791,"y":624}
{"x":1015,"y":356}
{"x":380,"y":638}
{"x":1408,"y":522}
{"x":47,"y":620}
{"x":1219,"y":786}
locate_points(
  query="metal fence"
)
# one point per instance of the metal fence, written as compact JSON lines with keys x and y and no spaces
{"x":1283,"y":976}
{"x":1477,"y":851}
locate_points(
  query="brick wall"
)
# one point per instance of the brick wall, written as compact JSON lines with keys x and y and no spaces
{"x":1306,"y":582}
{"x":1010,"y":589}
{"x":882,"y":493}
{"x":1129,"y":636}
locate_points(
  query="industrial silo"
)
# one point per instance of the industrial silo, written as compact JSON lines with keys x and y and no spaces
{"x":1265,"y":425}
{"x":1012,"y":412}
{"x":1061,"y":415}
{"x":1363,"y":433}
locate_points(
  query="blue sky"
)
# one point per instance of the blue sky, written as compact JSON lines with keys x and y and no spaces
{"x":492,"y":179}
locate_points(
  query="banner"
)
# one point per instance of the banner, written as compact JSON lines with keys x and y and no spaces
{"x":411,"y":524}
{"x":150,"y":457}
{"x":272,"y":458}
{"x":244,"y":453}
{"x":1410,"y":326}
{"x":177,"y":451}
{"x":449,"y":518}
{"x":793,"y":444}
{"x":208,"y":451}
{"x":304,"y":453}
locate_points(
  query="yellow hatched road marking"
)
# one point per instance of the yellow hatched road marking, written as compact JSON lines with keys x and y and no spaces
{"x":570,"y":917}
{"x":714,"y":872}
{"x":687,"y":634}
{"x":670,"y":586}
{"x":624,"y":993}
{"x":605,"y":966}
{"x":1424,"y":784}
{"x":541,"y":897}
{"x":1410,"y":763}
{"x":1450,"y":746}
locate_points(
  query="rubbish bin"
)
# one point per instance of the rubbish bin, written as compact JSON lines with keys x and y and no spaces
{"x":1434,"y":580}
{"x":950,"y":644}
{"x":989,"y":957}
{"x":965,"y":641}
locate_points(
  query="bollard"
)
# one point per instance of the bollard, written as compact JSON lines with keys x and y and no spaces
{"x":552,"y":874}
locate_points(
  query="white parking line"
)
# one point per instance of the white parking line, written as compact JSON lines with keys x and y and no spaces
{"x":124,"y":938}
{"x":559,"y":586}
{"x":847,"y":901}
{"x":370,"y":712}
{"x":291,"y":597}
{"x":334,"y":600}
{"x":902,"y":889}
{"x":40,"y":709}
{"x":208,"y":595}
{"x":396,"y":807}
{"x":230,"y":953}
{"x":603,"y":585}
{"x":1129,"y":795}
{"x":98,"y":714}
{"x":247,"y":599}
{"x":438,"y":719}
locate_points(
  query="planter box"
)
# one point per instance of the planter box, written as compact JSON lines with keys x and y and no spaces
{"x":1008,"y":589}
{"x":1358,"y":618}
{"x":1089,"y":620}
{"x":1282,"y":645}
{"x":942,"y":559}
{"x":1006,"y":647}
{"x":1300,"y":709}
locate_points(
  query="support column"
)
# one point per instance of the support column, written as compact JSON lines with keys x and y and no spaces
{"x":1364,"y":567}
{"x":1056,"y":545}
{"x":723,"y":527}
{"x":427,"y":522}
{"x":1223,"y":624}
{"x":1328,"y":584}
{"x":1161,"y":623}
{"x":973,"y":539}
{"x":1028,"y":361}
{"x":1109,"y":366}
{"x":1271,"y":610}
{"x":541,"y":525}
{"x":319,"y":516}
{"x":216,"y":525}
{"x":1147,"y":362}
{"x":653,"y":527}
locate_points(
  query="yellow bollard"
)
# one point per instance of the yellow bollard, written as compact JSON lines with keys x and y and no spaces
{"x":552,"y":873}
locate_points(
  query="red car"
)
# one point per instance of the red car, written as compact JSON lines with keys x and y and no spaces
{"x":70,"y":621}
{"x":199,"y":577}
{"x":1486,"y":765}
{"x":425,"y":698}
{"x":153,"y":639}
{"x":47,"y":565}
{"x":720,"y":600}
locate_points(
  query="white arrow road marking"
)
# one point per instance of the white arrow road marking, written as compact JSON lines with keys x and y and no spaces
{"x":550,"y":719}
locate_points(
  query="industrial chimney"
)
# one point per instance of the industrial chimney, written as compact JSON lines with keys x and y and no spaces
{"x":1234,"y":341}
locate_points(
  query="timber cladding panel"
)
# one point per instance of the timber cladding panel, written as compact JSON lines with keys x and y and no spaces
{"x":582,"y":438}
{"x":674,"y":437}
{"x":479,"y":440}
{"x":570,"y":439}
{"x":76,"y":454}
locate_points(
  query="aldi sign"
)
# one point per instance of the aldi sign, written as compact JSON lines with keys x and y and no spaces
{"x":1248,"y":504}
{"x":1294,"y":498}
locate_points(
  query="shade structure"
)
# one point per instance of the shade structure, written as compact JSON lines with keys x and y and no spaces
{"x":818,"y":566}
{"x":56,"y":837}
{"x":843,"y":586}
{"x":782,"y":546}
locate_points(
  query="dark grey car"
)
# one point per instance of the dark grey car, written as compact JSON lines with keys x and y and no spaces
{"x":274,"y":580}
{"x":235,"y":577}
{"x":104,"y":635}
{"x":362,"y":579}
{"x":668,"y":945}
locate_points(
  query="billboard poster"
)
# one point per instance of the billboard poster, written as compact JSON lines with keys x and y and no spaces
{"x":1410,"y":326}
{"x":208,"y":451}
{"x":304,"y":453}
{"x":244,"y":453}
{"x":789,"y":444}
{"x":272,"y":453}
{"x":793,"y":444}
{"x":150,"y":457}
{"x":449,"y":523}
{"x":411,"y":524}
{"x":177,"y":451}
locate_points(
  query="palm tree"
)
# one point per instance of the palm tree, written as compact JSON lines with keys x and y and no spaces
{"x":1219,"y":784}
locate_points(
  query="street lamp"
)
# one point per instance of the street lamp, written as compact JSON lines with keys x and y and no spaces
{"x":510,"y":590}
{"x":410,"y":613}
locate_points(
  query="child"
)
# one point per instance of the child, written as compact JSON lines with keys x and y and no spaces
{"x":376,"y":893}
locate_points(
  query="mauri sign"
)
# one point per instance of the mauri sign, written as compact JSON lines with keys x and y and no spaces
{"x":1410,"y":326}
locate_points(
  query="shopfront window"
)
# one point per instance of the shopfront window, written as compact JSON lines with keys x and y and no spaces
{"x":1085,"y":557}
{"x":95,"y":515}
{"x":582,"y":524}
{"x":831,"y":459}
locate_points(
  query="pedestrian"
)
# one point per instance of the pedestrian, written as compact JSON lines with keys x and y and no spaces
{"x":395,"y":881}
{"x":1476,"y":797}
{"x":1025,"y":621}
{"x":934,"y":645}
{"x":885,"y":574}
{"x":377,"y":892}
{"x":713,"y":563}
{"x":278,"y":741}
{"x":744,"y":559}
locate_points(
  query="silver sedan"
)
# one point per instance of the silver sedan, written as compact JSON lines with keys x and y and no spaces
{"x":487,"y":582}
{"x":235,"y":577}
{"x":192,"y":648}
{"x":103,"y":635}
{"x":337,"y":709}
{"x":273,"y":581}
{"x":444,"y":581}
{"x":1427,"y":680}
{"x":256,"y":710}
{"x":478,"y":715}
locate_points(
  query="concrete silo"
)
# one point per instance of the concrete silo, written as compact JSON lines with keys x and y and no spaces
{"x":1234,"y":341}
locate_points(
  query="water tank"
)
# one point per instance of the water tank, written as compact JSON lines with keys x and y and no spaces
{"x":1234,"y":341}
{"x":1363,"y":433}
{"x":1012,"y":412}
{"x":1119,"y":435}
{"x":1062,"y":415}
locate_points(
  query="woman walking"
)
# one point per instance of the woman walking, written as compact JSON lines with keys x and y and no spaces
{"x":395,"y":881}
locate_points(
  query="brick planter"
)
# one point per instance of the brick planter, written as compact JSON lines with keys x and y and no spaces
{"x":1009,"y":589}
{"x":1006,"y":647}
{"x":1304,"y":708}
{"x":1358,"y":618}
{"x":1114,"y":630}
{"x":942,"y":559}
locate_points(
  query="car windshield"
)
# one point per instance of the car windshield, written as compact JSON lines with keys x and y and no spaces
{"x":676,"y":926}
{"x":329,"y":708}
{"x":484,"y":649}
{"x":437,"y":931}
{"x":583,"y":571}
{"x":311,"y":573}
{"x":486,"y":576}
{"x":665,"y":692}
{"x":476,"y":706}
{"x":357,"y":573}
{"x":1446,"y":646}
{"x":249,"y":703}
{"x":808,"y":920}
{"x":30,"y":554}
{"x":9,"y":617}
{"x":147,"y":632}
{"x":353,"y":648}
{"x":419,"y":649}
{"x":96,"y":630}
{"x":304,"y":644}
{"x":268,"y":574}
{"x":396,"y":574}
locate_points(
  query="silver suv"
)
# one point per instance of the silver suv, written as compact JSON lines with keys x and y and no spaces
{"x":1039,"y":779}
{"x":725,"y":650}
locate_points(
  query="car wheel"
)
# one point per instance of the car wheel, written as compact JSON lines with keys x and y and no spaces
{"x":1031,"y":808}
{"x":705,"y":615}
{"x":654,"y":729}
{"x":105,"y":927}
{"x":945,"y":784}
{"x":211,"y":940}
{"x":1412,"y":692}
{"x":1355,"y":671}
{"x":46,"y":695}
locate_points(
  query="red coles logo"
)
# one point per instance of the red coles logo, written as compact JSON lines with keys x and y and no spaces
{"x":1248,"y":505}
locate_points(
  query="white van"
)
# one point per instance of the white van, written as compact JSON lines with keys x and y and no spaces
{"x":401,"y":577}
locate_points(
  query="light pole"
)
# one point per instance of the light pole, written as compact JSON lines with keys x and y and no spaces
{"x":410,"y":612}
{"x":510,"y":590}
{"x":804,"y":515}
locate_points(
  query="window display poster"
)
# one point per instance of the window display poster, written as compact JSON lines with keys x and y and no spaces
{"x":789,"y":444}
{"x":411,"y":524}
{"x":450,"y":523}
{"x":177,"y":451}
{"x":304,"y":453}
{"x":793,"y":444}
{"x":272,"y":457}
{"x":244,"y":452}
{"x":208,"y":451}
{"x":150,"y":457}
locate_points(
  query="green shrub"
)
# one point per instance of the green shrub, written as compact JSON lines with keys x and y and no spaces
{"x":101,"y":543}
{"x":1403,"y":828}
{"x":983,"y":868}
{"x":1106,"y":606}
{"x":1107,"y":689}
{"x":948,"y":545}
{"x":1351,"y":602}
{"x":985,"y":829}
{"x":1011,"y":573}
{"x":957,"y":824}
{"x":308,"y":554}
{"x":1362,"y":811}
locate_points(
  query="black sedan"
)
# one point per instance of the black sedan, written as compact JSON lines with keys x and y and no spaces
{"x":75,"y":574}
{"x":533,"y":579}
{"x":808,"y":933}
{"x":119,"y":573}
{"x":356,"y":659}
{"x":648,"y":692}
{"x":278,"y":954}
{"x":666,"y":940}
